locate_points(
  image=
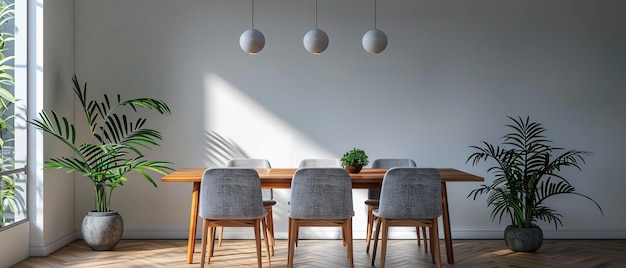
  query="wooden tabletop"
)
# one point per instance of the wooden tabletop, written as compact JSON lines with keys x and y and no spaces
{"x":281,"y":177}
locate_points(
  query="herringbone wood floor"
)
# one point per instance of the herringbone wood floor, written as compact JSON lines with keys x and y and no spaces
{"x":331,"y":253}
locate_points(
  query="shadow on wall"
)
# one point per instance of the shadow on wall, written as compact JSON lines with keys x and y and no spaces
{"x":219,"y":149}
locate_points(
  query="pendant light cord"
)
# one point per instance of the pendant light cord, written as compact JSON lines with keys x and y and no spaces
{"x":252,"y":14}
{"x":316,"y":14}
{"x":374,"y":14}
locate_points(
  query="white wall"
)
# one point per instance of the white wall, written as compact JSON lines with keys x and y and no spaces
{"x":51,"y":207}
{"x":14,"y":241}
{"x":452,"y":72}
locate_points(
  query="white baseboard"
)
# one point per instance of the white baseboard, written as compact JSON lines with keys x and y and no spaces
{"x":157,"y":233}
{"x":547,"y":234}
{"x":321,"y":233}
{"x":47,"y":248}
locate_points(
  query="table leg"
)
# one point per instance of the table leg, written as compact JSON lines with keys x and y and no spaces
{"x":446,"y":223}
{"x":193,"y":220}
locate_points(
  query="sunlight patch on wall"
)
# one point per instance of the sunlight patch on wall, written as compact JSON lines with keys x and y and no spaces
{"x":257,"y":131}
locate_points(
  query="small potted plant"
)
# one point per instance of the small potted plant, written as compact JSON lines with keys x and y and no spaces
{"x":354,"y":160}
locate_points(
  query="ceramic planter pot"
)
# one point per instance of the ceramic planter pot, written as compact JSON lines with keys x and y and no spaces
{"x":354,"y":169}
{"x":523,"y":239}
{"x":102,"y":230}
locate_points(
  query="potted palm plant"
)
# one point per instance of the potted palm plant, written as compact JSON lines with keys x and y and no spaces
{"x":526,"y":174}
{"x":354,"y":160}
{"x":110,"y":150}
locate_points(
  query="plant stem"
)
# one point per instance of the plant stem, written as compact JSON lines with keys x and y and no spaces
{"x":101,"y":198}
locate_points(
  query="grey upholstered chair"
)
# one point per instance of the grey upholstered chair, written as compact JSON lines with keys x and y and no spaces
{"x":268,"y":194}
{"x":409,"y":197}
{"x":321,"y":197}
{"x":374,"y":194}
{"x":320,"y":162}
{"x":231,"y":197}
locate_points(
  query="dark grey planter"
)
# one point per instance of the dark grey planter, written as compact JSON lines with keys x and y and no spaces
{"x":523,"y":239}
{"x":102,"y":230}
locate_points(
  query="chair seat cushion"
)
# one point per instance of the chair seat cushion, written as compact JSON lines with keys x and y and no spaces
{"x":243,"y":217}
{"x":267,"y":203}
{"x":332,"y":218}
{"x":371,"y":202}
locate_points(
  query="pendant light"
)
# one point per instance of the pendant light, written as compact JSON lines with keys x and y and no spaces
{"x":316,"y":40}
{"x":374,"y":41}
{"x":252,"y":40}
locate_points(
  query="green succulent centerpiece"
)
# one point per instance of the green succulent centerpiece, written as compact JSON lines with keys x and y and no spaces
{"x":354,"y":160}
{"x":117,"y":145}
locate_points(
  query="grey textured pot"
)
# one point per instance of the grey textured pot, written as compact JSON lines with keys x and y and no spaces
{"x":523,"y":239}
{"x":102,"y":230}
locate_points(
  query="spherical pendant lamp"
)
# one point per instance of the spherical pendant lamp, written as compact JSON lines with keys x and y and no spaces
{"x":374,"y":41}
{"x":252,"y":41}
{"x":315,"y":41}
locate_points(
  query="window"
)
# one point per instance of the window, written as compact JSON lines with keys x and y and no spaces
{"x":12,"y":114}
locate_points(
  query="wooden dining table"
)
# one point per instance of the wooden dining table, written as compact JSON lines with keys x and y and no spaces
{"x":368,"y":178}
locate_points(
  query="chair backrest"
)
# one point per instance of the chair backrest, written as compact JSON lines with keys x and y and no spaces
{"x":393,"y":162}
{"x":249,"y":163}
{"x":388,"y":163}
{"x":320,"y":162}
{"x":230,"y":193}
{"x":410,"y":193}
{"x":253,"y":163}
{"x":321,"y":193}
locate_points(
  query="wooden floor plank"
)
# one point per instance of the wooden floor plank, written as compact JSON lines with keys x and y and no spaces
{"x":331,"y":253}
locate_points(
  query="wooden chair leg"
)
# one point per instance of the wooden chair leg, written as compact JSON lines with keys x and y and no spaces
{"x":344,"y":232}
{"x":289,"y":228}
{"x":377,"y":231}
{"x":212,"y":231}
{"x":417,"y":232}
{"x":424,"y":233}
{"x":293,"y":226}
{"x":432,"y":250}
{"x":211,"y":242}
{"x":288,"y":240}
{"x":296,"y":235}
{"x":266,"y":239}
{"x":270,"y":227}
{"x":350,"y":248}
{"x":383,"y":249}
{"x":205,"y":228}
{"x":434,"y":241}
{"x":257,"y":238}
{"x":220,"y":237}
{"x":370,"y":227}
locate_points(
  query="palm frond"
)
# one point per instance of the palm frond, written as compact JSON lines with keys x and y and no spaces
{"x":548,"y":215}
